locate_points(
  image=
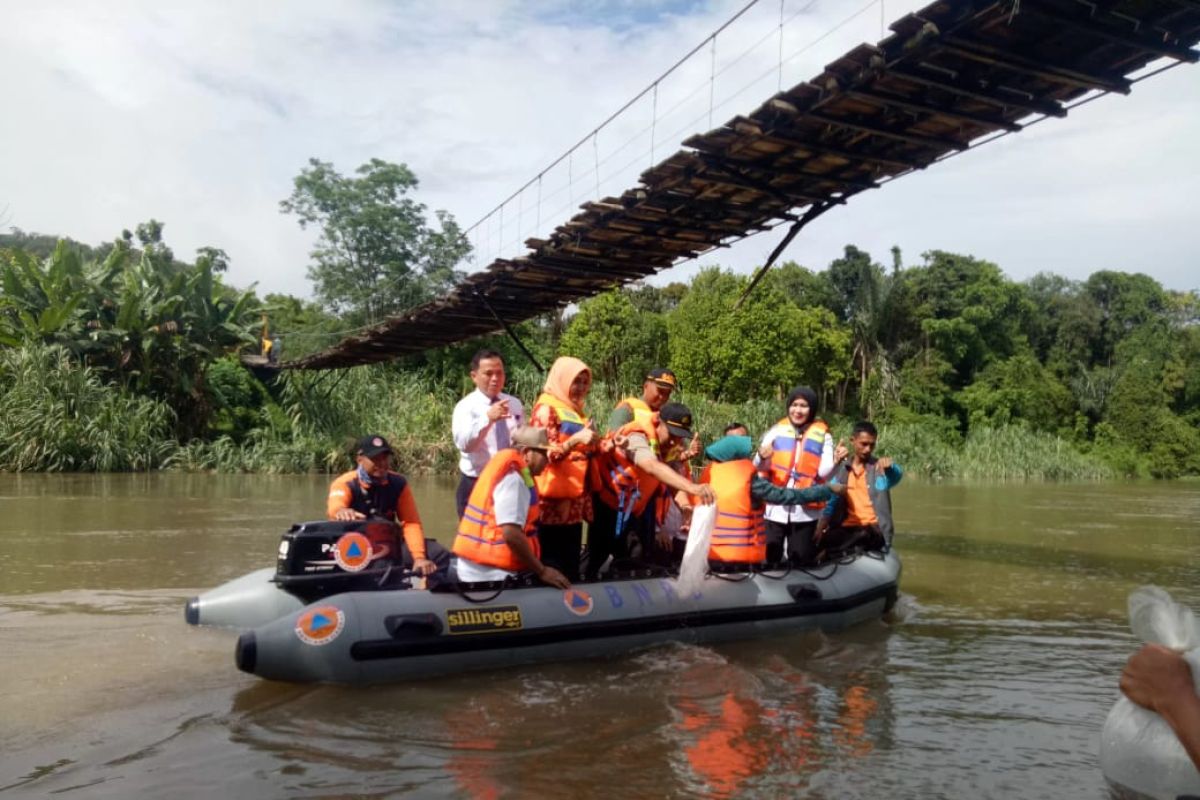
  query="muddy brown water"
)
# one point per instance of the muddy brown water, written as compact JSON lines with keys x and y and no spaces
{"x":991,"y":680}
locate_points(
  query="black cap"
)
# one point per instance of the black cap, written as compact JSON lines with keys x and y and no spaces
{"x":371,"y":446}
{"x":663,"y":377}
{"x":679,"y":420}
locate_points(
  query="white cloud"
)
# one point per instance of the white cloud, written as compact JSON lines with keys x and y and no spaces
{"x":201,"y":114}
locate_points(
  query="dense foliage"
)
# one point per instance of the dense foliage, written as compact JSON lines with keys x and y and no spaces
{"x":122,"y":357}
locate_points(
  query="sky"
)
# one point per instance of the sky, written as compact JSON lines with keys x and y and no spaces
{"x":200,"y":115}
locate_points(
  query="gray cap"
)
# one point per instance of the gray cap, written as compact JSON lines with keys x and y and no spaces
{"x":531,"y":438}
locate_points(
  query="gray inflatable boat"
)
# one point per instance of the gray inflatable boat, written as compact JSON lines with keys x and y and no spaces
{"x":371,"y":635}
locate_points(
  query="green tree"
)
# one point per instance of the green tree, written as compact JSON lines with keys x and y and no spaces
{"x":615,"y":340}
{"x":968,"y":311}
{"x":376,"y":254}
{"x":1018,"y":389}
{"x":758,"y":350}
{"x":804,"y":287}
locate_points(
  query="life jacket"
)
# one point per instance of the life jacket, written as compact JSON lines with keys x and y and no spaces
{"x":617,"y":480}
{"x":797,"y":459}
{"x":479,"y":538}
{"x":739,"y":534}
{"x":567,"y":477}
{"x":641,"y":411}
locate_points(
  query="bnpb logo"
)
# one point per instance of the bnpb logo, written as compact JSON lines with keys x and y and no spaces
{"x":352,"y":552}
{"x":320,"y":625}
{"x":578,"y":602}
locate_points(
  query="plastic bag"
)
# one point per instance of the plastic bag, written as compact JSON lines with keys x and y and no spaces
{"x":695,"y":555}
{"x":1138,"y":749}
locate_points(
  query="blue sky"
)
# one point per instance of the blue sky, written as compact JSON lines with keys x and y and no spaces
{"x":200,"y":115}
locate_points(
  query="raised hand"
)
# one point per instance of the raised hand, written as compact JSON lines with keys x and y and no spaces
{"x":498,"y":410}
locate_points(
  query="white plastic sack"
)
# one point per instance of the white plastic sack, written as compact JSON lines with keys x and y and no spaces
{"x":695,"y":555}
{"x":1138,"y":749}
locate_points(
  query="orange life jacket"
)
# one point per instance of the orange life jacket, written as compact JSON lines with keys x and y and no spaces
{"x":739,"y":534}
{"x":641,"y":411}
{"x":567,"y":477}
{"x":618,"y":481}
{"x":479,"y":538}
{"x":797,"y":459}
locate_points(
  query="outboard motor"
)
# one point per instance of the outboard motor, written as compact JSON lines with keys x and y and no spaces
{"x":319,"y":559}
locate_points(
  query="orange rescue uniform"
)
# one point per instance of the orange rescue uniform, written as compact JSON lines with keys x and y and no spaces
{"x":393,"y":500}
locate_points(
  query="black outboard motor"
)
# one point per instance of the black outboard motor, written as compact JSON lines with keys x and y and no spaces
{"x":319,"y":559}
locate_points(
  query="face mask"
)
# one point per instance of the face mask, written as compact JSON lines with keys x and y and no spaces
{"x":364,"y":477}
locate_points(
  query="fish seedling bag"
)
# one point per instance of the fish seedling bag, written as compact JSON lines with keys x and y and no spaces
{"x":1138,"y":749}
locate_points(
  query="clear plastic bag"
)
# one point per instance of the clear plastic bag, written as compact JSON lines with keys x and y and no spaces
{"x":1138,"y":749}
{"x":695,"y":555}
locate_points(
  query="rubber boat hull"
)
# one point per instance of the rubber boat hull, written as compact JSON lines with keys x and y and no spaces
{"x":246,"y":602}
{"x":381,"y":636}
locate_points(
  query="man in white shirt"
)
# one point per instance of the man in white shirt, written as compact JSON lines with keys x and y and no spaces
{"x":483,"y":422}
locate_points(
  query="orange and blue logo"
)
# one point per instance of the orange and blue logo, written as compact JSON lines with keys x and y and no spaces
{"x":578,"y":602}
{"x":320,"y":625}
{"x":352,"y":552}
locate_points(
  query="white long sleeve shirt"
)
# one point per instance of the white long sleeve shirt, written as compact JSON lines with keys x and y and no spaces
{"x":475,"y":434}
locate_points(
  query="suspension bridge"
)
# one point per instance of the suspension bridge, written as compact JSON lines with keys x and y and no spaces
{"x":952,"y":77}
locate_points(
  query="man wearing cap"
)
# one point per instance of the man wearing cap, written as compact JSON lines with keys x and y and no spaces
{"x":483,"y":422}
{"x":497,"y":534}
{"x":656,"y":391}
{"x":628,"y":472}
{"x":373,"y":490}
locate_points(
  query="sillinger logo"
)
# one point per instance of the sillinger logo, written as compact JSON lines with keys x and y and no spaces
{"x":578,"y":602}
{"x":320,"y":625}
{"x":352,"y":551}
{"x":489,"y":619}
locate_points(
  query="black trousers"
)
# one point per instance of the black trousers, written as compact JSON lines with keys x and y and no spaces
{"x":839,"y":540}
{"x":602,"y":537}
{"x":463,"y":493}
{"x":799,"y":537}
{"x":560,"y":547}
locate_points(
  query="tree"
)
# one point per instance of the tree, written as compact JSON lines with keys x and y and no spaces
{"x":376,"y":254}
{"x":615,"y":340}
{"x":1019,"y":388}
{"x":968,"y":311}
{"x":758,"y":350}
{"x":140,"y":318}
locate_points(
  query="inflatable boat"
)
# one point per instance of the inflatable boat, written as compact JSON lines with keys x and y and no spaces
{"x":321,"y":616}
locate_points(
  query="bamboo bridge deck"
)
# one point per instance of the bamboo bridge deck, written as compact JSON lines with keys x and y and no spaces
{"x":952,"y":75}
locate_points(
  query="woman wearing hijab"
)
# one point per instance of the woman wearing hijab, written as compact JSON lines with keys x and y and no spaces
{"x":796,"y":453}
{"x":563,"y":497}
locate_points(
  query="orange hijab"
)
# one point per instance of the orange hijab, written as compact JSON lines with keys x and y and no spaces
{"x":562,"y":374}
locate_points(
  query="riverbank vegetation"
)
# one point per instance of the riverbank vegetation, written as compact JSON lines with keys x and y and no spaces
{"x":123,"y":357}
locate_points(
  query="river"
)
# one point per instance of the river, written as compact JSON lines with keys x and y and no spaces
{"x":992,"y":678}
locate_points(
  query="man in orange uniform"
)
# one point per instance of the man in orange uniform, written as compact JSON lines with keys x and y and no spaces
{"x":373,"y":490}
{"x":864,"y":519}
{"x":497,"y":535}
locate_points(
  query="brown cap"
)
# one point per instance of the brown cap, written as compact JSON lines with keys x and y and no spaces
{"x":531,"y":438}
{"x":679,"y":420}
{"x":663,"y":377}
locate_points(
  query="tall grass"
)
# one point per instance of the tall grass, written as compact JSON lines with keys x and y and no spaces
{"x":59,"y":416}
